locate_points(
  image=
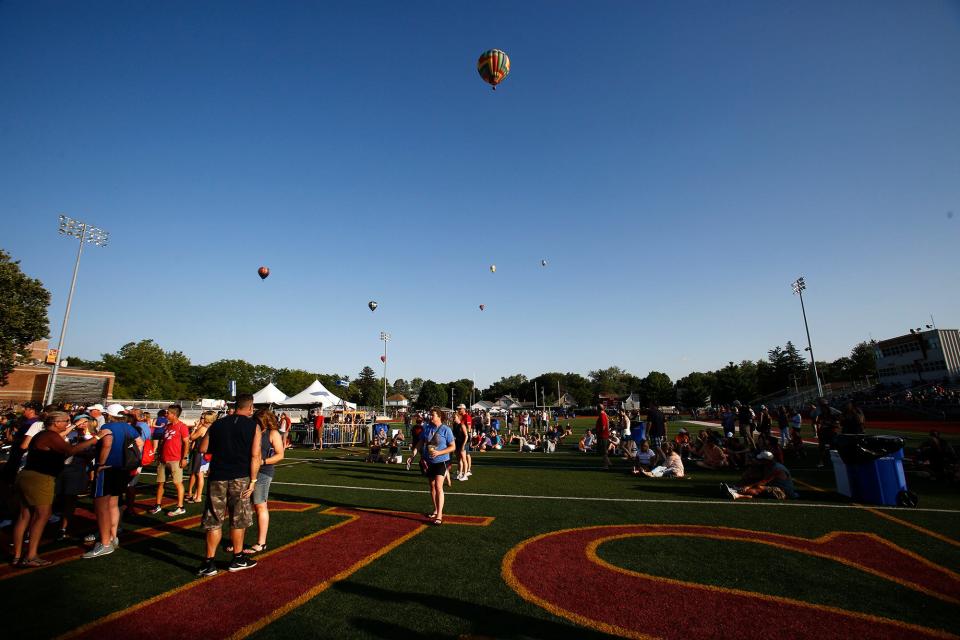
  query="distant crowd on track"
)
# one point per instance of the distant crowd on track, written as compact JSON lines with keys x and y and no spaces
{"x":226,"y":461}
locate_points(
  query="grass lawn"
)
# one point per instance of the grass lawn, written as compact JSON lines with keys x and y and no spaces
{"x":665,"y":558}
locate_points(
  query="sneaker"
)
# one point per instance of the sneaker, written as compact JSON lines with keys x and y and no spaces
{"x":469,"y":473}
{"x":208,"y":568}
{"x":408,"y":469}
{"x":157,"y":509}
{"x":242,"y":562}
{"x":115,"y":543}
{"x":179,"y":511}
{"x":91,"y":537}
{"x":53,"y":519}
{"x":98,"y":550}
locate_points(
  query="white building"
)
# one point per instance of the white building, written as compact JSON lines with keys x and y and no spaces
{"x":920,"y":356}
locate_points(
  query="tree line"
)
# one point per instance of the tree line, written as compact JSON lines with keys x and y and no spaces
{"x":145,"y":370}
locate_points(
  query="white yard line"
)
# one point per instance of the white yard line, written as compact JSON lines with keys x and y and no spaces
{"x":778,"y":503}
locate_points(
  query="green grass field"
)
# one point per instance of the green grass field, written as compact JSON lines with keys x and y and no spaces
{"x":719,"y":570}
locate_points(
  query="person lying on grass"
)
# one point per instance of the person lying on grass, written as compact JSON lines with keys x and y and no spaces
{"x":776,"y":482}
{"x":670,"y":467}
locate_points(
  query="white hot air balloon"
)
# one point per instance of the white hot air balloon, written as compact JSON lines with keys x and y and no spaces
{"x":543,"y":263}
{"x":373,"y":305}
{"x":493,"y":268}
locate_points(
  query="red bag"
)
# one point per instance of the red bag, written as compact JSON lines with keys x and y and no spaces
{"x":149,"y":453}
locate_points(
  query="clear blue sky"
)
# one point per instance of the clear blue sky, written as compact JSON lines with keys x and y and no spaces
{"x":677,"y":163}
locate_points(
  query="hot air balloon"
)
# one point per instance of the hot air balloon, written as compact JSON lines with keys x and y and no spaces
{"x":482,"y":307}
{"x":383,"y":359}
{"x":493,"y":268}
{"x":263,"y":272}
{"x":493,"y":66}
{"x":373,"y":305}
{"x":543,"y":263}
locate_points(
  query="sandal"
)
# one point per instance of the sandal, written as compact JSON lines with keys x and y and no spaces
{"x":437,"y":522}
{"x":35,"y":562}
{"x":14,"y":562}
{"x":255,"y":549}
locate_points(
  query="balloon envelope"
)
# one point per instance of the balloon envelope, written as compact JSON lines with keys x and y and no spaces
{"x":493,"y":66}
{"x":493,"y":268}
{"x":383,"y":359}
{"x":543,"y":263}
{"x":373,"y":305}
{"x":263,"y":272}
{"x":482,"y":307}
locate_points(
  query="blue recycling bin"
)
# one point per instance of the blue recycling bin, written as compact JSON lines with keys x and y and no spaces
{"x":870,"y":469}
{"x":638,"y":432}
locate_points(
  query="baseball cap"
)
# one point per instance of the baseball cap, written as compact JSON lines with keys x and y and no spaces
{"x":461,"y":406}
{"x":764,"y":455}
{"x":95,"y":407}
{"x":115,"y":410}
{"x":81,"y":416}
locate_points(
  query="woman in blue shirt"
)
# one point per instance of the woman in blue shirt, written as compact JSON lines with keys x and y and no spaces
{"x":437,"y":443}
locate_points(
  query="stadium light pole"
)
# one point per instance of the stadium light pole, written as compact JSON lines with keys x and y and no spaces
{"x":799,"y":285}
{"x":386,"y":338}
{"x":84,"y":233}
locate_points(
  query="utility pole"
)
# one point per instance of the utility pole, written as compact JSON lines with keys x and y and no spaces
{"x":84,"y":233}
{"x":799,"y":286}
{"x":386,"y":338}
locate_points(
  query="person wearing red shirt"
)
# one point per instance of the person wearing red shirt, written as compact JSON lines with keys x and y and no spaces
{"x":603,"y":436}
{"x":462,"y":440}
{"x":172,"y":458}
{"x":318,"y":429}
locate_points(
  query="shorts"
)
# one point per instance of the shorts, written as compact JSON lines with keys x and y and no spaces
{"x":435,"y":469}
{"x":262,"y":489}
{"x":34,"y":489}
{"x":72,"y":481}
{"x":196,"y":461}
{"x":223,"y":499}
{"x":459,"y":444}
{"x":134,"y":478}
{"x":175,"y":471}
{"x":111,"y":482}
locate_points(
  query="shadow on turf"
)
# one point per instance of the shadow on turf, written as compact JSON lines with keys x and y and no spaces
{"x":483,"y":619}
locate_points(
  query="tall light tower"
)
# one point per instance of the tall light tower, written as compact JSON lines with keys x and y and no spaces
{"x":798,"y":288}
{"x":84,"y":233}
{"x":386,"y":338}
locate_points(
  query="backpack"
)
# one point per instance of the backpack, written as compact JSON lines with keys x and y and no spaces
{"x":131,"y":453}
{"x":149,"y":453}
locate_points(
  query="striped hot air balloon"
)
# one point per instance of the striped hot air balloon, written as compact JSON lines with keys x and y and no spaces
{"x":493,"y":66}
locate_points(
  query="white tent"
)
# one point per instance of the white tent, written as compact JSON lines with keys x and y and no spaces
{"x":316,"y":393}
{"x":269,"y":395}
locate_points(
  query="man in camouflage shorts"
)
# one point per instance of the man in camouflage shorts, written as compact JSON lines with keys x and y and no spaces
{"x":234,"y":444}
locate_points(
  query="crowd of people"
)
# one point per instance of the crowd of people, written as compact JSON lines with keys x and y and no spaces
{"x":57,"y":454}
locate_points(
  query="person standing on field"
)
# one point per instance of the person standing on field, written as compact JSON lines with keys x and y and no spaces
{"x":603,"y":436}
{"x":234,"y":442}
{"x":174,"y":449}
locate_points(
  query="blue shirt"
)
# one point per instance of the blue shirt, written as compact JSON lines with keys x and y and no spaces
{"x":444,"y":440}
{"x":144,"y":430}
{"x":120,"y":431}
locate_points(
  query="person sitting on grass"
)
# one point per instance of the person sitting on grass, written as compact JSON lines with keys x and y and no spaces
{"x":395,"y":443}
{"x":586,"y":442}
{"x":613,"y":446}
{"x":681,"y":443}
{"x":629,"y":446}
{"x":737,"y":452}
{"x":671,"y":465}
{"x":772,"y":444}
{"x":713,"y":456}
{"x":775,"y":482}
{"x":795,"y":444}
{"x":646,"y":458}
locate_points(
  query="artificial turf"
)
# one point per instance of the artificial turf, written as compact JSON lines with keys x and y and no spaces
{"x":447,"y":581}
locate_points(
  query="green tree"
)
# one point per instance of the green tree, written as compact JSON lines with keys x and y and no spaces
{"x":658,"y":389}
{"x":401,"y":386}
{"x":23,"y":313}
{"x":863,"y":361}
{"x":293,"y":381}
{"x":431,"y":395}
{"x":512,"y":386}
{"x":371,"y":390}
{"x":611,"y":380}
{"x":213,"y":379}
{"x":142,"y":371}
{"x":693,"y":390}
{"x":415,"y":386}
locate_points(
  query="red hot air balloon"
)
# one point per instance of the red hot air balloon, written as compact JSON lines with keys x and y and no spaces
{"x":383,"y":359}
{"x":263,"y":272}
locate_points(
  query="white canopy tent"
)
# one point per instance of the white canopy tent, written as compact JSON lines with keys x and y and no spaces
{"x":269,"y":395}
{"x":316,"y":393}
